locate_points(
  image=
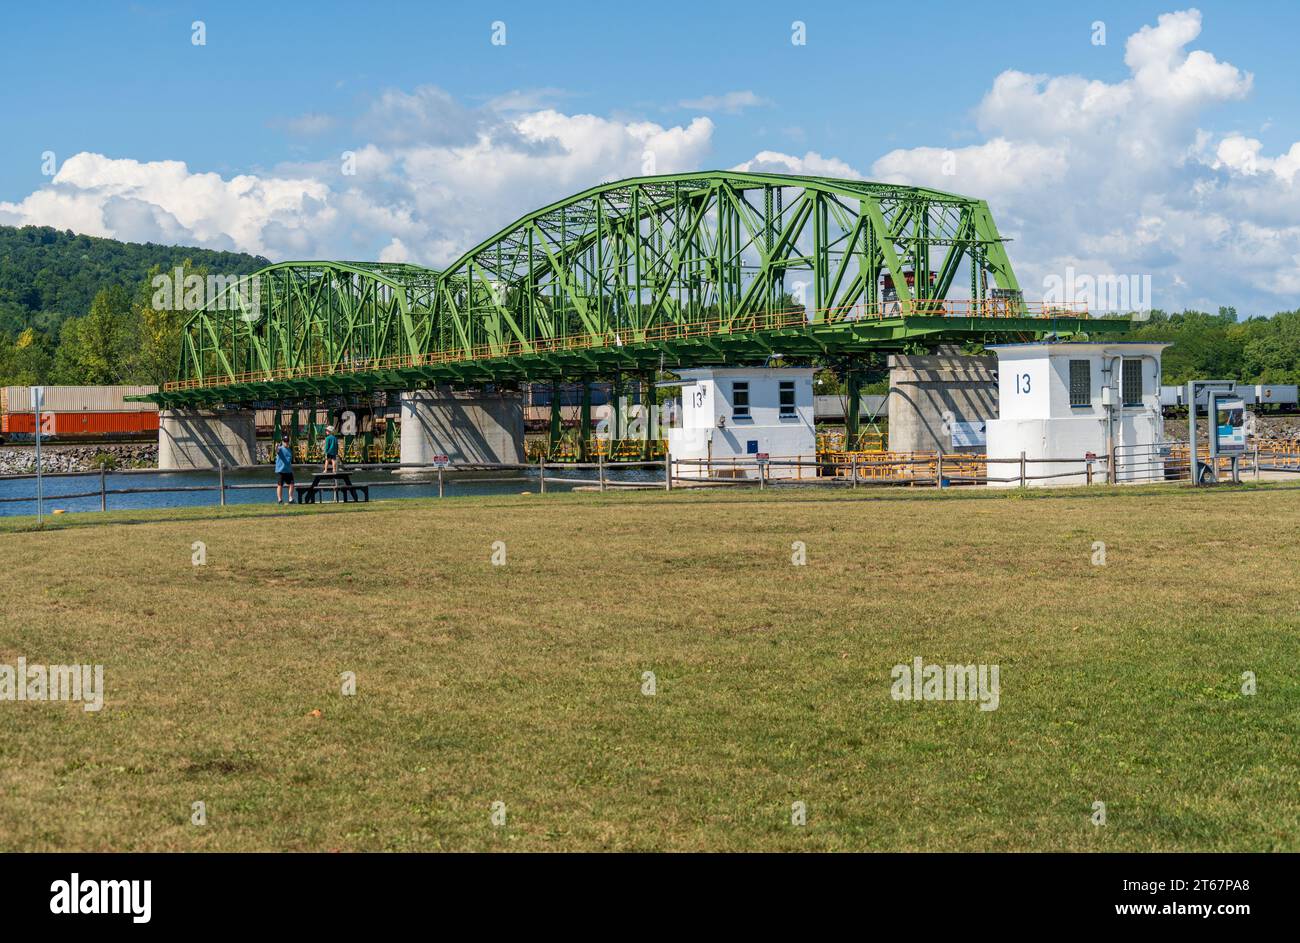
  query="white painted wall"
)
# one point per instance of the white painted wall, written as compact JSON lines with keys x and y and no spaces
{"x":710,"y":398}
{"x":1035,"y":415}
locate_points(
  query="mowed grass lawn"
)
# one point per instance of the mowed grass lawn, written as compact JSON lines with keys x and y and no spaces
{"x":523,"y":684}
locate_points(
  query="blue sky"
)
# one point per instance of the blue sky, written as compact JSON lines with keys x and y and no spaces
{"x":279,"y":92}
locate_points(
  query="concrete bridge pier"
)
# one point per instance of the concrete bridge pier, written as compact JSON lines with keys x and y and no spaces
{"x":200,"y":438}
{"x":929,"y":395}
{"x":466,"y":426}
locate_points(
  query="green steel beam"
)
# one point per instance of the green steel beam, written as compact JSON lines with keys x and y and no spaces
{"x":556,"y":428}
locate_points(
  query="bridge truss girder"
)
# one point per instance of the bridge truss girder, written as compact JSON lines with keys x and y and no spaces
{"x":627,"y":257}
{"x":666,"y":271}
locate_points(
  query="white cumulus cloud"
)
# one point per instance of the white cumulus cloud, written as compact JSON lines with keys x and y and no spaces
{"x":810,"y":164}
{"x":424,"y":193}
{"x":728,"y":102}
{"x":1121,"y":178}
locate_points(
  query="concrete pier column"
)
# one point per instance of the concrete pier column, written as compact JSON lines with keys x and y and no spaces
{"x":471,"y":426}
{"x":200,"y":438}
{"x":852,"y":420}
{"x":929,"y":394}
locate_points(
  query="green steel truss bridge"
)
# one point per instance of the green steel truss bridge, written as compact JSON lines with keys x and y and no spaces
{"x":635,"y":276}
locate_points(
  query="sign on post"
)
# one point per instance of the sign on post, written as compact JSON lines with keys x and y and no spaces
{"x":1230,"y":425}
{"x":38,"y":400}
{"x":441,"y":461}
{"x":1205,"y":472}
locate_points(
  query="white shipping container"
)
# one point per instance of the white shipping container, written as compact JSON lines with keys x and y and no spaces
{"x":16,"y":396}
{"x":832,"y":406}
{"x":1282,"y":393}
{"x":78,"y":399}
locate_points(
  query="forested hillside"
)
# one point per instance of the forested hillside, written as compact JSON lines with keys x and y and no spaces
{"x":48,"y":275}
{"x":1219,"y":346}
{"x":76,"y":309}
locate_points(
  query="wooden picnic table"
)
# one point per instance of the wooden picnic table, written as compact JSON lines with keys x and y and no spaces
{"x":336,"y":483}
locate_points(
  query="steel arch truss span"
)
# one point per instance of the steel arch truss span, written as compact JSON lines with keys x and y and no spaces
{"x":300,"y":318}
{"x":675,"y":270}
{"x":629,"y":256}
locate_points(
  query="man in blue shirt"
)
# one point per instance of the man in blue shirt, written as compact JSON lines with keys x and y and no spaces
{"x":331,"y":450}
{"x":283,"y":470}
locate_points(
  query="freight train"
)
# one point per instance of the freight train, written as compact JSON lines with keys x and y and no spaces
{"x":1277,"y":397}
{"x":77,"y":412}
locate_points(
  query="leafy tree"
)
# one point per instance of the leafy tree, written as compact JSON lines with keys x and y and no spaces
{"x":99,"y":348}
{"x":26,"y":360}
{"x":1271,"y":353}
{"x":160,"y":327}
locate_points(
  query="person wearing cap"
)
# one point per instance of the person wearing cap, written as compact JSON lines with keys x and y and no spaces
{"x":283,"y":470}
{"x":331,"y":450}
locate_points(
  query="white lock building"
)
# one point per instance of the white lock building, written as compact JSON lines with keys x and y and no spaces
{"x":1067,"y":400}
{"x":731,"y":415}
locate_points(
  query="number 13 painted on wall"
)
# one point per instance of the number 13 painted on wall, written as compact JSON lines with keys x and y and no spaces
{"x":1022,"y":383}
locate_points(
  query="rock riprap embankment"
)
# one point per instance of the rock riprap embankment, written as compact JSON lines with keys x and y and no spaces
{"x":21,"y":459}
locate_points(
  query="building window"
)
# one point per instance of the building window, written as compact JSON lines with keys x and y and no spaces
{"x":787,"y":398}
{"x":1080,"y":383}
{"x":1131,"y":382}
{"x":740,"y":400}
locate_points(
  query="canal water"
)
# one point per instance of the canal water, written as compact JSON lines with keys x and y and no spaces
{"x":384,"y":485}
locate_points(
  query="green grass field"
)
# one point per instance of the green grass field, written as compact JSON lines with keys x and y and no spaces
{"x":522,"y":684}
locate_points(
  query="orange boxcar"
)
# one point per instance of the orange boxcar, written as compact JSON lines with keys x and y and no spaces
{"x":81,"y":423}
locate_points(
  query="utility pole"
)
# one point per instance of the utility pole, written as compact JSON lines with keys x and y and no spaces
{"x":38,"y":401}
